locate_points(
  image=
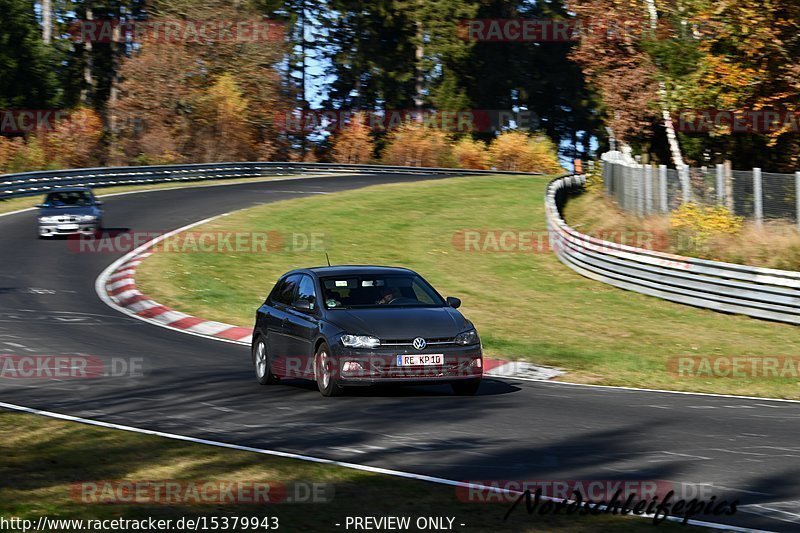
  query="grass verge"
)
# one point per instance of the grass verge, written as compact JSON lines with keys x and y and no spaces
{"x":43,"y":459}
{"x":526,"y":304}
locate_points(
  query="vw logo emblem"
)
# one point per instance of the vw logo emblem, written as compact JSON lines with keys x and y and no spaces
{"x":419,"y":343}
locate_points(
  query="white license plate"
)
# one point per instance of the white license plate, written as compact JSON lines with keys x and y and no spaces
{"x":67,"y":227}
{"x":427,"y":359}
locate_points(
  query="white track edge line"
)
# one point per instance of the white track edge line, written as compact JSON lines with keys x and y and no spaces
{"x":332,"y":462}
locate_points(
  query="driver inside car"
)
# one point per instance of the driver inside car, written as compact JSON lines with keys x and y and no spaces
{"x":388,"y":294}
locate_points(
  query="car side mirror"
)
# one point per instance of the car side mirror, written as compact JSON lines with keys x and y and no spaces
{"x":98,"y":203}
{"x":453,"y":302}
{"x":304,"y":305}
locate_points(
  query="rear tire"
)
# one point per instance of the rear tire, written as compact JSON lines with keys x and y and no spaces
{"x":261,"y":363}
{"x":325,"y":374}
{"x":467,"y":387}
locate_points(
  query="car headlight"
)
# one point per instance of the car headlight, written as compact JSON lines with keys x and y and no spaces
{"x":360,"y":341}
{"x":48,"y":219}
{"x":468,"y":337}
{"x":87,"y":218}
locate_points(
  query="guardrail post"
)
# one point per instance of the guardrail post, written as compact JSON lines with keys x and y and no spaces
{"x":662,"y":188}
{"x":648,"y":189}
{"x":720,"y":184}
{"x":758,"y":197}
{"x":797,"y":195}
{"x":685,"y":188}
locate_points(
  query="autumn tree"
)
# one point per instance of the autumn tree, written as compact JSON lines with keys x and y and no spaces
{"x":520,"y":152}
{"x":613,"y":57}
{"x":469,"y":153}
{"x":415,"y":145}
{"x":167,"y":89}
{"x":746,"y":60}
{"x":353,"y":143}
{"x":73,"y":141}
{"x":224,"y":133}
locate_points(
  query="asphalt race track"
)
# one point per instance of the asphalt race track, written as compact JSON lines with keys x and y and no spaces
{"x":745,"y":449}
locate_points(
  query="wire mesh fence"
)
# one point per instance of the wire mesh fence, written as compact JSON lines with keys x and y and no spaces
{"x":752,"y":194}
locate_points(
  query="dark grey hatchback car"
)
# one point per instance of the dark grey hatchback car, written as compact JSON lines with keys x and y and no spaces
{"x":361,"y":325}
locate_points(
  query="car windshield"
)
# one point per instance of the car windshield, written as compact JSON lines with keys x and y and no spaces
{"x":396,"y":290}
{"x":69,"y":199}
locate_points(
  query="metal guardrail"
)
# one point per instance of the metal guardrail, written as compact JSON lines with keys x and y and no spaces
{"x":32,"y":183}
{"x":758,"y":292}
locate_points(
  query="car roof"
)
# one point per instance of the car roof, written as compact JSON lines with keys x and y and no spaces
{"x":352,"y":270}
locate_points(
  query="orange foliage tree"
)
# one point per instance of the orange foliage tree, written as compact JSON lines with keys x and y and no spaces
{"x":415,"y":145}
{"x":517,"y":151}
{"x":471,"y":154}
{"x":353,"y":144}
{"x":613,"y":58}
{"x":225,"y":134}
{"x":201,"y":101}
{"x":74,"y":141}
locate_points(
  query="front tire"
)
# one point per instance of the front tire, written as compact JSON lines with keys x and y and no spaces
{"x":261,"y":363}
{"x":324,"y":372}
{"x":467,"y":387}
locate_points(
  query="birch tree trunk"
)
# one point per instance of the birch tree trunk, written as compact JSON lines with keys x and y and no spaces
{"x":669,"y":126}
{"x":47,"y":21}
{"x":88,"y":76}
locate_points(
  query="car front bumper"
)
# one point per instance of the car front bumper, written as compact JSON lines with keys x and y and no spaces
{"x":51,"y":229}
{"x":367,"y":367}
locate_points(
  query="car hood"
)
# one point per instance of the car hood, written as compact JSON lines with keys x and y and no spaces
{"x":401,"y":323}
{"x":71,"y":210}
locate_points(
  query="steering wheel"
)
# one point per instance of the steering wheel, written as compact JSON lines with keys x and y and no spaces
{"x":400,"y":299}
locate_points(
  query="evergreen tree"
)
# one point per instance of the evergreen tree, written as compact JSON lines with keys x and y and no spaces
{"x":27,"y":76}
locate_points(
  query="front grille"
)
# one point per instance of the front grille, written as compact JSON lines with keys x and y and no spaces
{"x":446,"y":341}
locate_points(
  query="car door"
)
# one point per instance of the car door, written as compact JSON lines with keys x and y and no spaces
{"x":302,"y":326}
{"x":276,"y":322}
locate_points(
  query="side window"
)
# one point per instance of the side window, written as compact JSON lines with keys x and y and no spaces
{"x":284,"y":292}
{"x":306,"y":291}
